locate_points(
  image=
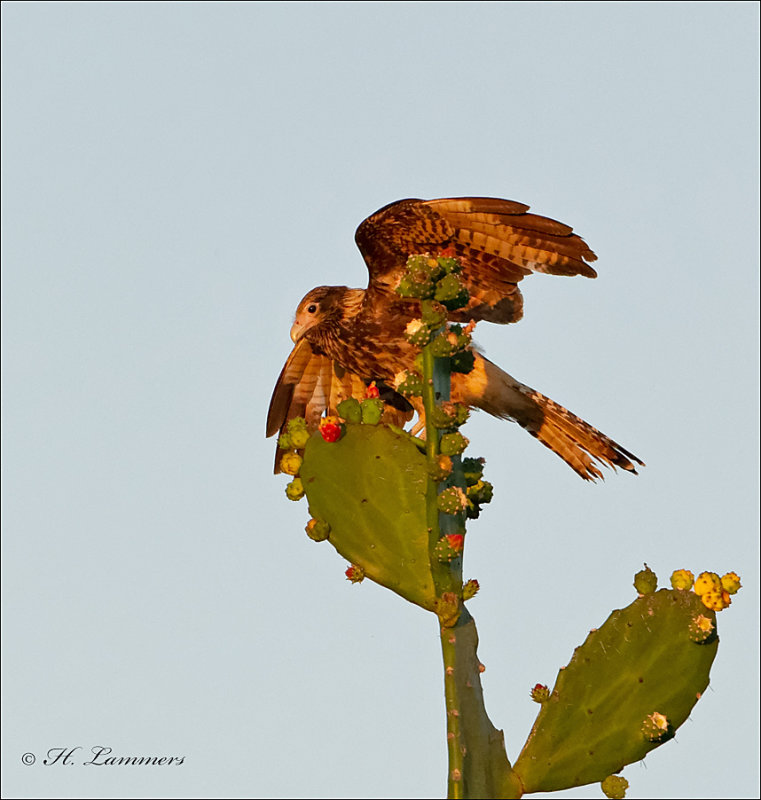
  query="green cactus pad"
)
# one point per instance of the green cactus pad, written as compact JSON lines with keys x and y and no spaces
{"x":643,"y":660}
{"x":370,"y":488}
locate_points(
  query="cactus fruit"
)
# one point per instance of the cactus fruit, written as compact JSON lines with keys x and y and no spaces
{"x":614,"y":787}
{"x":707,"y":582}
{"x":449,"y":547}
{"x":451,"y":292}
{"x":408,"y":383}
{"x":355,"y":574}
{"x":682,"y":579}
{"x":645,"y":581}
{"x":657,"y":728}
{"x":295,"y":489}
{"x":452,"y":500}
{"x":331,"y":429}
{"x":643,"y":660}
{"x":481,"y":492}
{"x":317,"y":530}
{"x":418,"y":333}
{"x":297,"y":430}
{"x":284,"y":441}
{"x":441,"y":469}
{"x":473,"y":469}
{"x":730,"y":583}
{"x":716,"y":601}
{"x":290,"y":463}
{"x":540,"y":693}
{"x":453,"y":444}
{"x":434,"y":315}
{"x":470,"y":589}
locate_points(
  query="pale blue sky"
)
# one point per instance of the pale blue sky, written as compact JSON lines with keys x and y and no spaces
{"x":175,"y":178}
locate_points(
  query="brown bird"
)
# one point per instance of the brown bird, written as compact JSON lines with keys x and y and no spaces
{"x":346,"y":338}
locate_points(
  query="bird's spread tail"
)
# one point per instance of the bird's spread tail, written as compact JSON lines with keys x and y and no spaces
{"x":574,"y":440}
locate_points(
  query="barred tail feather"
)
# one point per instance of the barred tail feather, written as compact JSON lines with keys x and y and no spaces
{"x":574,"y":440}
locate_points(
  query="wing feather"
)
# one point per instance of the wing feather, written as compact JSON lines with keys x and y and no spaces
{"x":310,"y":383}
{"x":497,"y":242}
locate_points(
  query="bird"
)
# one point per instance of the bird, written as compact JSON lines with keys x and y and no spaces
{"x":345,"y":339}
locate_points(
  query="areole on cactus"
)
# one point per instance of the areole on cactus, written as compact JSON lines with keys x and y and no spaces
{"x":396,"y":508}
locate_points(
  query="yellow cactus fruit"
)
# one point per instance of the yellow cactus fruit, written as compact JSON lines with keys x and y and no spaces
{"x":716,"y":601}
{"x":291,"y":463}
{"x":707,"y":582}
{"x":730,"y":583}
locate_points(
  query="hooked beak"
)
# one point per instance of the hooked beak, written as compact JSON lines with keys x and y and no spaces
{"x":297,"y":330}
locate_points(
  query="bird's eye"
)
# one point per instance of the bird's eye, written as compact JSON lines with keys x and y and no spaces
{"x":311,"y":309}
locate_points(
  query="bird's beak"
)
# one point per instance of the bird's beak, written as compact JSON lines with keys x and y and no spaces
{"x":297,"y":329}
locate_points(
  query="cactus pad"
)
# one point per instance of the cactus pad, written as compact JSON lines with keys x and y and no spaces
{"x":643,"y":661}
{"x":370,"y":488}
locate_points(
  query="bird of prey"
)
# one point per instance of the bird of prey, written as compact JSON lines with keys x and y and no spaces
{"x":347,"y":338}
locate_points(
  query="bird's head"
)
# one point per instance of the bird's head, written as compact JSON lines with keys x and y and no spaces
{"x":320,"y":305}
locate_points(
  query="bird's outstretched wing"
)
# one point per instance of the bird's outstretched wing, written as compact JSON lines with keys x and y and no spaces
{"x":311,"y":383}
{"x":497,"y":242}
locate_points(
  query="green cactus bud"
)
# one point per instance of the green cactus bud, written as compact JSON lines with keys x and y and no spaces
{"x":372,"y":410}
{"x":409,"y":383}
{"x":349,"y":410}
{"x":297,"y":429}
{"x":702,"y":629}
{"x":433,"y":314}
{"x":296,"y":424}
{"x":295,"y":489}
{"x":614,"y":787}
{"x":291,"y":463}
{"x":452,"y":444}
{"x":317,"y":530}
{"x":442,"y":469}
{"x":442,"y":419}
{"x":470,"y":589}
{"x":442,"y":347}
{"x":415,"y":288}
{"x":451,"y":292}
{"x":730,"y":583}
{"x":657,"y":728}
{"x":473,"y":469}
{"x":540,"y":693}
{"x":481,"y":492}
{"x":452,"y":500}
{"x":449,"y":547}
{"x":424,"y":267}
{"x":284,"y":441}
{"x":449,"y":265}
{"x":682,"y":579}
{"x":300,"y":438}
{"x":645,"y":581}
{"x":418,"y":333}
{"x":463,"y":362}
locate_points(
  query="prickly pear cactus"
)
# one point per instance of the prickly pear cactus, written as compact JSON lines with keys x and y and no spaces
{"x":395,"y":507}
{"x":625,"y":691}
